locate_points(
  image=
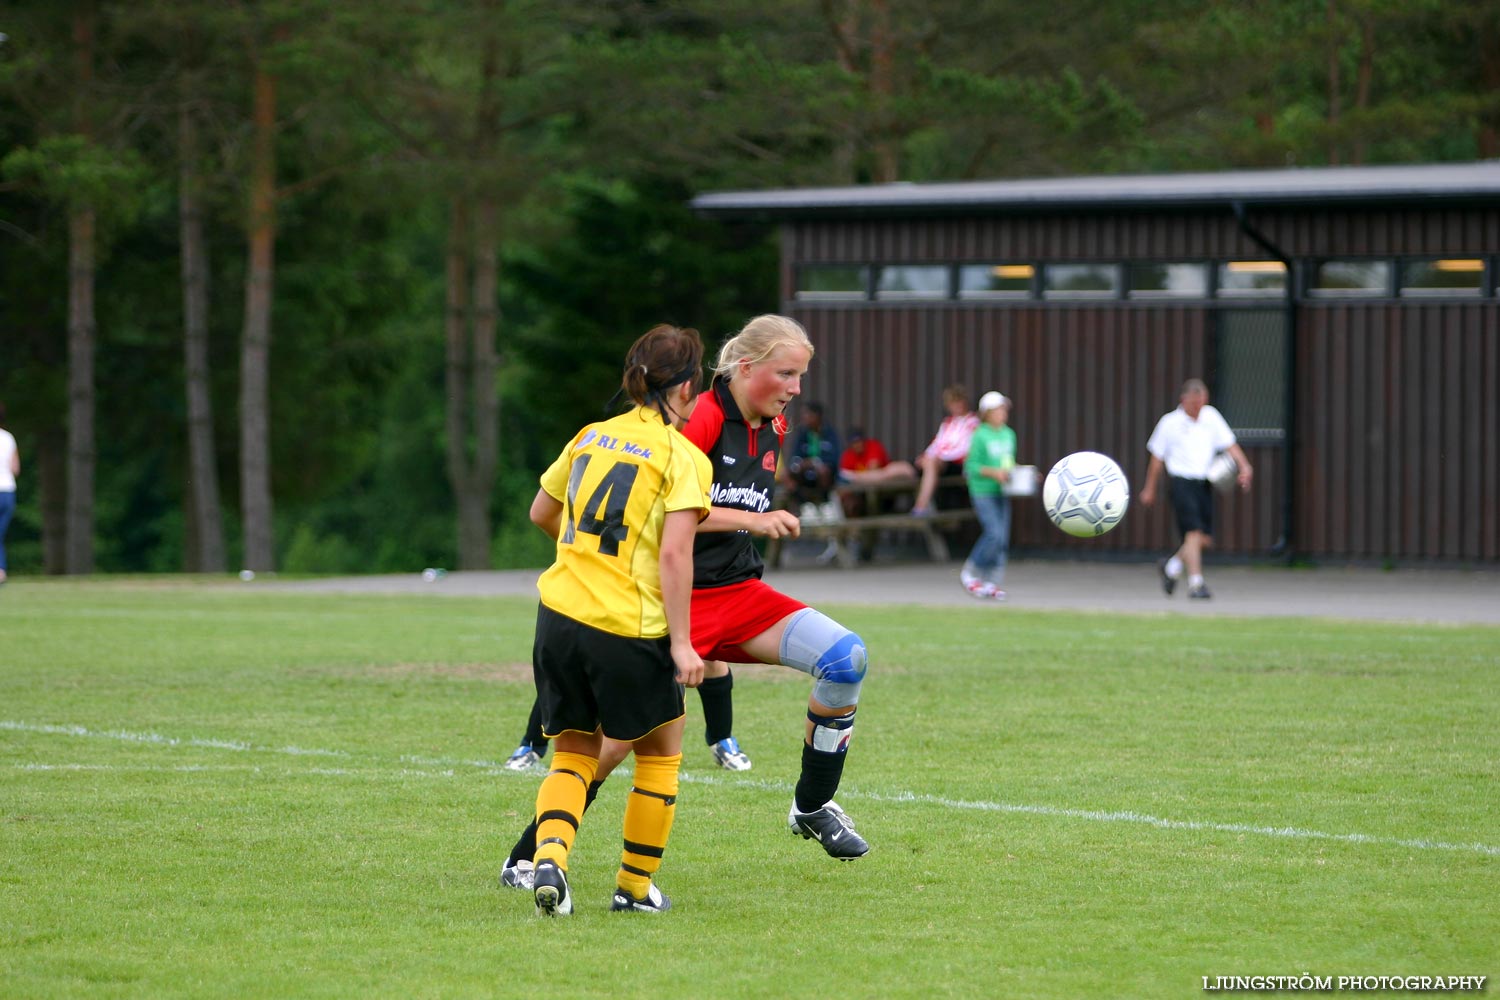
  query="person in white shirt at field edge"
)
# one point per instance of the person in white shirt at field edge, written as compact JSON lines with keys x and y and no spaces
{"x":1185,"y":442}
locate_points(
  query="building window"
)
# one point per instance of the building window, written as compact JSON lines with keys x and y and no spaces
{"x":1350,"y":277}
{"x":912,"y":281}
{"x":995,"y":281}
{"x":1168,"y":281}
{"x":822,"y":282}
{"x":1252,"y":278}
{"x":1443,"y":276}
{"x":1250,"y":373}
{"x":1081,"y":281}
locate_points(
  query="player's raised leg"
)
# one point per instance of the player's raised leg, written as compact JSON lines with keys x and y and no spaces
{"x":810,"y":641}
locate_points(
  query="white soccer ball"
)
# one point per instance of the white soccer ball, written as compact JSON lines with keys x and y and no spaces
{"x":1223,"y":472}
{"x":1086,"y":494}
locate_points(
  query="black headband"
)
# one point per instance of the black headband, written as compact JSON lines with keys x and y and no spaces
{"x":657,"y":393}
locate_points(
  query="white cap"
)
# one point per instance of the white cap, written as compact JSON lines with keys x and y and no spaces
{"x":991,"y":400}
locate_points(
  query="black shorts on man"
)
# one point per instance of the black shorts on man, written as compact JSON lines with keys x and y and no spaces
{"x":1193,"y":503}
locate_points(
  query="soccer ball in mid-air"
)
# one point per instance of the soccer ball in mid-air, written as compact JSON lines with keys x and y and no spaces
{"x":1086,"y":494}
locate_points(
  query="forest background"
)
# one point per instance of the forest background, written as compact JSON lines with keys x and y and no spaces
{"x":321,"y":286}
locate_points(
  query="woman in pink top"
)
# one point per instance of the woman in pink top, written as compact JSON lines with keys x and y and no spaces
{"x":945,"y":455}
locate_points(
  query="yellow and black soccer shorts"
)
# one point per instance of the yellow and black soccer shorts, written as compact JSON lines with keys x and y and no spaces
{"x":587,"y":678}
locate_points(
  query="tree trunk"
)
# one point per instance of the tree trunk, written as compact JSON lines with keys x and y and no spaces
{"x":255,"y":344}
{"x":1335,"y":95}
{"x":455,"y":326}
{"x":474,"y":526}
{"x":1487,"y":41}
{"x":79,"y":547}
{"x":206,"y":548}
{"x":472,"y":318}
{"x":469,"y":375}
{"x":883,"y":89}
{"x":842,"y":19}
{"x":1362,"y":81}
{"x":52,"y":486}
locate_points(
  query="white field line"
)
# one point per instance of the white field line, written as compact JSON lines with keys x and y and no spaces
{"x":448,"y":768}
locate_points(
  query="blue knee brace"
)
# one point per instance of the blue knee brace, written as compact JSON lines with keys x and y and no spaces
{"x":833,"y":655}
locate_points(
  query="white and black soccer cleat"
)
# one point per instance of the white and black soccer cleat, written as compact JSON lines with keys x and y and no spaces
{"x":523,"y":758}
{"x":518,"y":875}
{"x":656,"y":901}
{"x":550,"y":889}
{"x":729,"y":756}
{"x":831,"y":827}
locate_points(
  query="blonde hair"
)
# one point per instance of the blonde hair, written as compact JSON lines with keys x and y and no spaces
{"x":758,"y":340}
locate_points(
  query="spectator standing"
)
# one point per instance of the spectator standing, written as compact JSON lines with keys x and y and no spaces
{"x":992,"y":454}
{"x":1185,"y":442}
{"x":949,"y":447}
{"x":10,"y":468}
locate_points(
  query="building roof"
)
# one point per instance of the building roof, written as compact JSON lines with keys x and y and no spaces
{"x":1446,"y":184}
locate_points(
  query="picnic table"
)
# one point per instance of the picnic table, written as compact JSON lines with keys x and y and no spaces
{"x":879,"y":497}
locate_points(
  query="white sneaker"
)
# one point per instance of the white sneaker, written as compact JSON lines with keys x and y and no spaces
{"x":729,"y":756}
{"x":523,"y":758}
{"x":811,"y":514}
{"x":518,"y":875}
{"x":982,"y":590}
{"x":833,"y":512}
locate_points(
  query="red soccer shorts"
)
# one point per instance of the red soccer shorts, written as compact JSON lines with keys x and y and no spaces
{"x":724,"y":617}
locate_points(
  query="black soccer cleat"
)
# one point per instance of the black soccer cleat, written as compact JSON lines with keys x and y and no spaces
{"x":656,"y":901}
{"x":551,"y":891}
{"x":831,"y":827}
{"x":1199,"y":593}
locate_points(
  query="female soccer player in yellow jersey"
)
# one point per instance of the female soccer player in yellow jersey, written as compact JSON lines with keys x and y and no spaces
{"x":613,"y":644}
{"x":739,"y":618}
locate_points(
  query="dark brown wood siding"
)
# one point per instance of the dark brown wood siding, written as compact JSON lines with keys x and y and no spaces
{"x":1398,"y":433}
{"x":1400,"y":436}
{"x":1159,"y":236}
{"x":1092,"y":378}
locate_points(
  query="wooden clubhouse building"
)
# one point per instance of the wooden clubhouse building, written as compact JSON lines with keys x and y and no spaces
{"x":1347,"y":321}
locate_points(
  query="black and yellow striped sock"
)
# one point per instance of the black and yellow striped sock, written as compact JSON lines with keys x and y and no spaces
{"x":559,"y":805}
{"x":648,"y":821}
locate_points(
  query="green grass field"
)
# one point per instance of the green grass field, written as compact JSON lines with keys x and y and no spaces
{"x":215,"y":791}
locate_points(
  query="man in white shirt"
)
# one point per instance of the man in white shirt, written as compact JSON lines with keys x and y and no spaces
{"x":1185,"y":442}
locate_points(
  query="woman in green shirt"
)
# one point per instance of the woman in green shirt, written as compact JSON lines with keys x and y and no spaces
{"x":992,"y":454}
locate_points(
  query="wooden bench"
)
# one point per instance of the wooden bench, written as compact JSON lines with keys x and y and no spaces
{"x":845,"y":532}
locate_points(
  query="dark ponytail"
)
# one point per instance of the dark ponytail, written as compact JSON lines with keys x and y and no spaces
{"x":664,"y":356}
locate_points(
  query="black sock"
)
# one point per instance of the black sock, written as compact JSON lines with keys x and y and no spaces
{"x":820,"y":778}
{"x":525,"y":848}
{"x":718,"y":707}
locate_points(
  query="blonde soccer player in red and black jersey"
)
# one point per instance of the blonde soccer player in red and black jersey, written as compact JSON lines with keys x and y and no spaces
{"x":737,"y":616}
{"x":613,"y":645}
